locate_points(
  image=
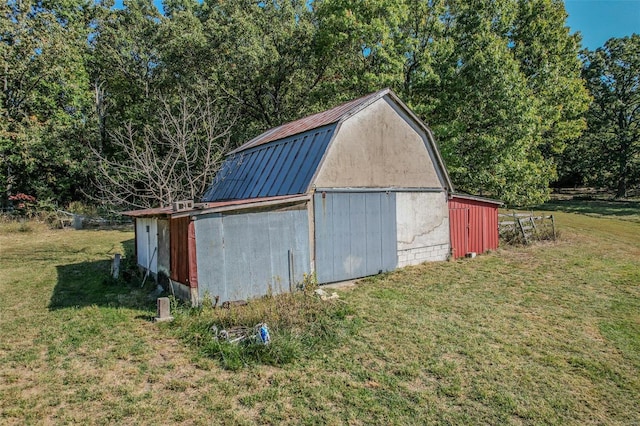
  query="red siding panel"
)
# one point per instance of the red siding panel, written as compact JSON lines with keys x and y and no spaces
{"x":458,"y":220}
{"x":473,"y":225}
{"x":179,"y":251}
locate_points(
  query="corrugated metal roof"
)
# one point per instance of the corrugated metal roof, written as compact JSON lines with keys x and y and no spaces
{"x":283,"y":160}
{"x":281,"y":167}
{"x":314,"y":121}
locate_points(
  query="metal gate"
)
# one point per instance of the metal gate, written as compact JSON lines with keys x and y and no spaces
{"x":355,"y":234}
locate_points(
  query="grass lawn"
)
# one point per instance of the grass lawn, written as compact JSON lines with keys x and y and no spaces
{"x":545,"y":334}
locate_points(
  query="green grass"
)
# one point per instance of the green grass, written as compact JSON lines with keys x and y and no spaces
{"x":544,"y":334}
{"x":596,"y":205}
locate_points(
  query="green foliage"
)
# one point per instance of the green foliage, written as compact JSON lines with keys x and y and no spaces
{"x":499,"y":82}
{"x":608,"y":154}
{"x":44,"y":104}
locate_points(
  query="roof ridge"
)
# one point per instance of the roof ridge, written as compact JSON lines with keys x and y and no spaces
{"x":312,"y":121}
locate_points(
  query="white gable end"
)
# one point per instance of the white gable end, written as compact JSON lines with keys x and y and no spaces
{"x":379,"y":147}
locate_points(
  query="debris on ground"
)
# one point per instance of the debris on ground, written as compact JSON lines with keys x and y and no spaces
{"x":325,"y":295}
{"x":259,"y":333}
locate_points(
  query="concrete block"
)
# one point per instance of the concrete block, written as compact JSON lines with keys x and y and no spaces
{"x":163,"y":310}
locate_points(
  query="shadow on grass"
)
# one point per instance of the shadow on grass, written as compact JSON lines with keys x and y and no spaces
{"x":90,"y":283}
{"x":629,"y":210}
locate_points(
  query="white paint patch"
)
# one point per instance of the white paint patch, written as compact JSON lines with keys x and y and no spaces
{"x":351,"y":263}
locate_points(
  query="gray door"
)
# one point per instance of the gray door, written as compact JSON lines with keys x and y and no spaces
{"x":355,"y":234}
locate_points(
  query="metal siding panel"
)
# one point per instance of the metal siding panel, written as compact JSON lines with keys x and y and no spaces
{"x":286,"y":167}
{"x":254,"y":248}
{"x":304,"y":160}
{"x":482,"y":223}
{"x":389,"y":231}
{"x":354,"y":239}
{"x":340,"y":236}
{"x":358,"y":254}
{"x":283,"y":167}
{"x":263,"y":171}
{"x":238,"y":177}
{"x":273,"y":168}
{"x":302,"y":255}
{"x":308,"y":169}
{"x":280,"y":233}
{"x":323,"y":216}
{"x":373,"y":236}
{"x":210,"y":256}
{"x":253,"y":170}
{"x":458,"y":219}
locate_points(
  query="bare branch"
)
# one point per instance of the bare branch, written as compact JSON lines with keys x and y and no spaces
{"x":174,"y":159}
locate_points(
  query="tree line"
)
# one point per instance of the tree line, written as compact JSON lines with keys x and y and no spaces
{"x":137,"y":107}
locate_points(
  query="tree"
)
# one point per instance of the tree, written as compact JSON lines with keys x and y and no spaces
{"x":548,"y":58}
{"x":175,"y":159}
{"x":125,"y":66}
{"x":610,"y":147}
{"x":44,"y":102}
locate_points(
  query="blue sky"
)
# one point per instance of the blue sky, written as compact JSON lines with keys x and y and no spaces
{"x":599,"y":20}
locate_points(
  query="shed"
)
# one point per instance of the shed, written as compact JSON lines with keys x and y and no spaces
{"x":473,"y":223}
{"x":349,"y":192}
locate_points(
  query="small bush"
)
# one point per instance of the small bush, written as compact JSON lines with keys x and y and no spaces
{"x":300,"y":325}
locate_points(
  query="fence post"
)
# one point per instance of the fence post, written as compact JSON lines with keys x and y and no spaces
{"x":553,"y":227}
{"x":524,"y":234}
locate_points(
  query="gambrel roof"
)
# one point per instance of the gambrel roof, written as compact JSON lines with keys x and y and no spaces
{"x":285,"y":159}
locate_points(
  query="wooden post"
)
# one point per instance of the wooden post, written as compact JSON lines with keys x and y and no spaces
{"x":524,"y":234}
{"x":553,"y":227}
{"x":115,"y":266}
{"x":164,"y":310}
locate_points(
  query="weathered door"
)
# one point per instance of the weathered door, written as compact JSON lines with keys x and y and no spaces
{"x":355,"y":234}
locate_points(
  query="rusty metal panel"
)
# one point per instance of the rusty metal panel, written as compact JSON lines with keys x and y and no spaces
{"x":179,"y":251}
{"x":311,"y":122}
{"x":355,"y":234}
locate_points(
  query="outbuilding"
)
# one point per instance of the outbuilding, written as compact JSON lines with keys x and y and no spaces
{"x":349,"y":192}
{"x":473,"y":223}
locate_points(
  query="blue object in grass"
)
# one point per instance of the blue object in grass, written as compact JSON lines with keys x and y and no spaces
{"x":264,"y":334}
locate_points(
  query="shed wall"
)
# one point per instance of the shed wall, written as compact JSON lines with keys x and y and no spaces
{"x":378,"y":148}
{"x":179,"y":231}
{"x":147,"y":243}
{"x":423,"y":227}
{"x":164,"y":241}
{"x":473,"y":226}
{"x":355,"y":234}
{"x":246,"y":255}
